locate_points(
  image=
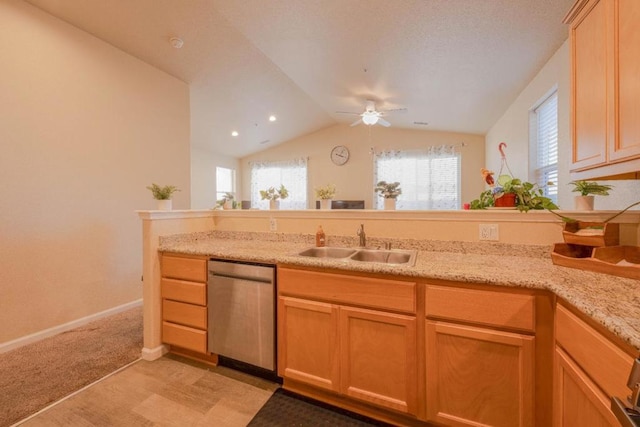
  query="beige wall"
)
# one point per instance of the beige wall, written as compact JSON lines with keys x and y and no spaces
{"x":513,"y":128}
{"x":84,"y":128}
{"x":354,"y":180}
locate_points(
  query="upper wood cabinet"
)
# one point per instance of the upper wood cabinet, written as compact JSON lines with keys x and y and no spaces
{"x":605,"y":93}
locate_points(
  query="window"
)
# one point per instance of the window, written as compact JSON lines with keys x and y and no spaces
{"x":225,"y":182}
{"x":544,"y":145}
{"x":429,"y":179}
{"x":292,"y":174}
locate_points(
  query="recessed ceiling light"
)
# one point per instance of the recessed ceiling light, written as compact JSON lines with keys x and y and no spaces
{"x":272,"y":118}
{"x":234,"y":133}
{"x":176,"y":42}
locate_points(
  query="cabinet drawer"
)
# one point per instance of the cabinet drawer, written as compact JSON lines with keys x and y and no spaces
{"x":185,"y":314}
{"x":184,"y":337}
{"x":363,"y":291}
{"x":499,"y":309}
{"x":193,"y":269}
{"x":605,"y":363}
{"x":181,"y":290}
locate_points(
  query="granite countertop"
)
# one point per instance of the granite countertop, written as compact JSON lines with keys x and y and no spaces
{"x":611,"y":301}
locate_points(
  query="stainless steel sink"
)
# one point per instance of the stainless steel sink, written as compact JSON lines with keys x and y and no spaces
{"x":328,"y":252}
{"x":385,"y":256}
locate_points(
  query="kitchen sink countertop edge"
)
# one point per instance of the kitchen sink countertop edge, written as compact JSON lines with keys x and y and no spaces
{"x":611,"y":301}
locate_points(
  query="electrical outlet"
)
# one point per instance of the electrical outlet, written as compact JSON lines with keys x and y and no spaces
{"x":489,"y":232}
{"x":273,"y":224}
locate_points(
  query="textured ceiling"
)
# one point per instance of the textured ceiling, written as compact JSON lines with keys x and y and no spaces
{"x":456,"y":64}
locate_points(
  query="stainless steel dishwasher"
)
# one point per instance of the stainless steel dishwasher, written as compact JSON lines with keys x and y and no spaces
{"x":241,"y":312}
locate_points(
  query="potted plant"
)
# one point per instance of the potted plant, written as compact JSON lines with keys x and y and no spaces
{"x":227,"y":201}
{"x":526,"y":196}
{"x":389,"y":191}
{"x":163,"y":195}
{"x":273,"y":195}
{"x":587,"y":190}
{"x":326,"y":194}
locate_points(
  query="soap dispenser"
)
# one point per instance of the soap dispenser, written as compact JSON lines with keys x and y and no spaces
{"x":320,"y":237}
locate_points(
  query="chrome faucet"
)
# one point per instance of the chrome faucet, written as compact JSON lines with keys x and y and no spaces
{"x":363,"y":236}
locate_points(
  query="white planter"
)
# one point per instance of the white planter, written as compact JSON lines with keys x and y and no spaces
{"x":274,"y":205}
{"x":227,"y":205}
{"x":389,"y":204}
{"x":325,"y":204}
{"x":164,"y":205}
{"x":584,"y":203}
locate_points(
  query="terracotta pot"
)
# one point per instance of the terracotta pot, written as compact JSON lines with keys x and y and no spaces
{"x":508,"y":200}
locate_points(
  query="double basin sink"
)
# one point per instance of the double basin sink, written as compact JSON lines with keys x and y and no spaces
{"x":385,"y":256}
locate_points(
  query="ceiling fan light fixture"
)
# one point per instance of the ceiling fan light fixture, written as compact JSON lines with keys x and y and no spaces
{"x":369,"y":118}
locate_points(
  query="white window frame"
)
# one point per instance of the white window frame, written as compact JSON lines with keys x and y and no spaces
{"x":221,"y":189}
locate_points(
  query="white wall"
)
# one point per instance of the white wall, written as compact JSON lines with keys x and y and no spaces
{"x":354,"y":180}
{"x":84,"y":129}
{"x":513,"y":128}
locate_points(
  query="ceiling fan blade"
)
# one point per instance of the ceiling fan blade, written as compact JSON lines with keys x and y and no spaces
{"x":356,"y":123}
{"x":383,"y":122}
{"x":348,"y":112}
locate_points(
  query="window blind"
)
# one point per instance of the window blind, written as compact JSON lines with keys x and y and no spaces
{"x":546,"y":135}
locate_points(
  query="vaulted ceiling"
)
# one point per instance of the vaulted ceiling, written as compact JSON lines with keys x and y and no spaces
{"x":454,"y":64}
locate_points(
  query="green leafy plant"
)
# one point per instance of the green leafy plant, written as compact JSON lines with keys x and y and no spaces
{"x":388,"y":190}
{"x":162,"y":193}
{"x":327,"y":192}
{"x":272,"y":194}
{"x":528,"y":196}
{"x":227,"y":197}
{"x":586,"y":188}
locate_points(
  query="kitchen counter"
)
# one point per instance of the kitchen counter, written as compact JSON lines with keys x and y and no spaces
{"x":611,"y":301}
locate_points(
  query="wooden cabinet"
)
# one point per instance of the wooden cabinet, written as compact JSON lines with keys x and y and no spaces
{"x":605,"y":95}
{"x":589,"y":369}
{"x":477,"y":374}
{"x":334,"y":334}
{"x":184,"y":302}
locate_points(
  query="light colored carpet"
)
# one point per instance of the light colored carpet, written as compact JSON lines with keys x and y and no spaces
{"x":36,"y":375}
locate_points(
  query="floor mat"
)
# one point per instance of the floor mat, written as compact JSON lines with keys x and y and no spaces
{"x":287,"y":409}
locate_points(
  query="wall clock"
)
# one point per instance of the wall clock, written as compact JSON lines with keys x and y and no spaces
{"x":339,"y":155}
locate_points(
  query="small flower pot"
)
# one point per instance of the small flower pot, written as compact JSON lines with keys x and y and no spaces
{"x":584,"y":203}
{"x":274,"y":205}
{"x":389,"y":204}
{"x":227,"y":205}
{"x":325,"y":204}
{"x":164,"y":205}
{"x":508,"y":200}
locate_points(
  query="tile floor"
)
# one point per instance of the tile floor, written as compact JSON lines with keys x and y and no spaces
{"x":170,"y":391}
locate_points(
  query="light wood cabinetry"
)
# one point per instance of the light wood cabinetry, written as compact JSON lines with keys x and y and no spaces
{"x":605,"y":57}
{"x":589,"y":369}
{"x":184,"y":302}
{"x":477,"y":371}
{"x":347,"y":334}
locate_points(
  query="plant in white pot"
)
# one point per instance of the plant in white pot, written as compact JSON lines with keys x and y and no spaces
{"x":163,"y":195}
{"x":326,"y":194}
{"x":273,"y":195}
{"x":390,"y":192}
{"x":227,"y":201}
{"x":587,"y":190}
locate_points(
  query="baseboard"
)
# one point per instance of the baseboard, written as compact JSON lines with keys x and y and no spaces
{"x":151,"y":354}
{"x":29,"y":339}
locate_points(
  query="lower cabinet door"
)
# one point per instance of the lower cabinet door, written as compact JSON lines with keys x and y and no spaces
{"x":308,"y":342}
{"x":378,"y":358}
{"x":577,"y":400}
{"x":477,"y":376}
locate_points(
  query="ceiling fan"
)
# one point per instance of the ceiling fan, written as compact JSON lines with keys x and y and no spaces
{"x":371,"y":116}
